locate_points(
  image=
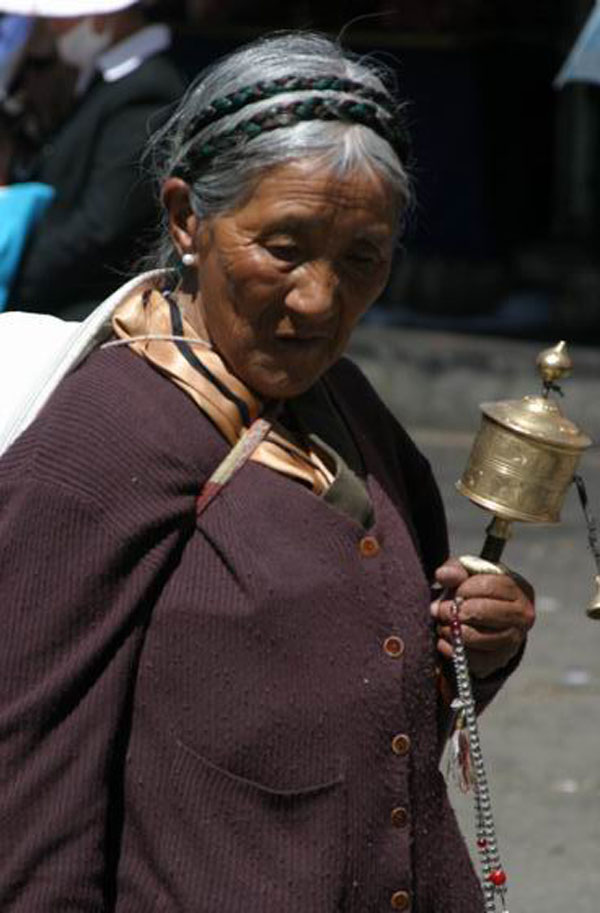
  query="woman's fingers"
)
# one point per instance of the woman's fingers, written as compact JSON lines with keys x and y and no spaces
{"x":451,"y":574}
{"x":495,"y":613}
{"x":487,"y":601}
{"x":486,"y":614}
{"x":486,"y":641}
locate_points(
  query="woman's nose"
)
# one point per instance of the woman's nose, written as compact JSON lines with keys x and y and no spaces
{"x":314,"y":290}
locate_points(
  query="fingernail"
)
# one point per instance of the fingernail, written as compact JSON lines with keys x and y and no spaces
{"x":434,"y":608}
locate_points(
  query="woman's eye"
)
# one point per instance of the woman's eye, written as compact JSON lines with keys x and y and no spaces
{"x":287,"y":252}
{"x":364,"y":258}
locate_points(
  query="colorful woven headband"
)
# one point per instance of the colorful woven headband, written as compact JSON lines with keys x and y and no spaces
{"x":259,"y":91}
{"x":314,"y":107}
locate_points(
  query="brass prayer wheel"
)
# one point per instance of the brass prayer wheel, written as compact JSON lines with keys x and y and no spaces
{"x":526,"y":451}
{"x":523,"y":460}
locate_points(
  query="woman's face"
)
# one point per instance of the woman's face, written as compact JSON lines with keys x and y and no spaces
{"x":283,"y":279}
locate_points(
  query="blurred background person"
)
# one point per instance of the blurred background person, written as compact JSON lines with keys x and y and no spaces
{"x":122,"y":82}
{"x":37,"y":95}
{"x":14,"y":32}
{"x":35,"y":91}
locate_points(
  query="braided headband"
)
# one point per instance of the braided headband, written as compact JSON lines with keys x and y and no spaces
{"x":259,"y":91}
{"x":286,"y":115}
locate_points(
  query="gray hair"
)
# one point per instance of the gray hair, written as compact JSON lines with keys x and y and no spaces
{"x":223,"y":181}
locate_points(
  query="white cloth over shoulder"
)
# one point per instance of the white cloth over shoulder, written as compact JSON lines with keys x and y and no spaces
{"x":37,"y":351}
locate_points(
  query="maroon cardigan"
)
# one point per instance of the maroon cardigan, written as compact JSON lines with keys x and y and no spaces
{"x":204,"y":717}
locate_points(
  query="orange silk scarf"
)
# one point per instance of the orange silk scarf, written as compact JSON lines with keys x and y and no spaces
{"x":203,"y":375}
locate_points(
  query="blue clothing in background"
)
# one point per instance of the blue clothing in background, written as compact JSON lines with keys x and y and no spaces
{"x":14,"y":32}
{"x":21,"y":205}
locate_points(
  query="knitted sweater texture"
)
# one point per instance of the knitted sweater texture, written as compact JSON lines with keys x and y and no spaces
{"x":198,"y":715}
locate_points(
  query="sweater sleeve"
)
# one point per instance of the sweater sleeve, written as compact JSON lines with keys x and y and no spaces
{"x":76,"y":598}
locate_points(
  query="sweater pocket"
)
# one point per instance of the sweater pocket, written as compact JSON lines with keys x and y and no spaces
{"x":233,"y":845}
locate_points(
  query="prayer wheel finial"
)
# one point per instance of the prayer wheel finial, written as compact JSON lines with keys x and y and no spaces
{"x":555,"y":363}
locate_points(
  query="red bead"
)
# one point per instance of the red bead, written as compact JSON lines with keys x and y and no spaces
{"x":481,"y":843}
{"x":497,"y":877}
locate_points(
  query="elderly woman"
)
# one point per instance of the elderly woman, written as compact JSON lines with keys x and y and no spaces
{"x":221,"y":687}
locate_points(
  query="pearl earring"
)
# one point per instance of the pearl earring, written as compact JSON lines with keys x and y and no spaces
{"x":188,"y":259}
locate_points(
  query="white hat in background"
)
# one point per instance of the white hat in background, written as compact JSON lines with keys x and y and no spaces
{"x":59,"y":8}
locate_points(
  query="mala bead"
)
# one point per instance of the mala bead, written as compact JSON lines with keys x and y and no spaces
{"x":497,"y":877}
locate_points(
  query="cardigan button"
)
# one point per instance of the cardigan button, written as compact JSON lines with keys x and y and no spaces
{"x":399,"y":817}
{"x":393,"y":646}
{"x":400,"y":900}
{"x":369,"y":546}
{"x":401,"y":744}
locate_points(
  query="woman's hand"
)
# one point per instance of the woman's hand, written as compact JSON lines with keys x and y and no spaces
{"x":495,"y":612}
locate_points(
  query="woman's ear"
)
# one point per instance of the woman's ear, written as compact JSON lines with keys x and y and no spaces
{"x":183,"y":222}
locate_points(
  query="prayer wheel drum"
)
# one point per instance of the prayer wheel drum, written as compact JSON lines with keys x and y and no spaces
{"x":526,"y":452}
{"x":523,"y":460}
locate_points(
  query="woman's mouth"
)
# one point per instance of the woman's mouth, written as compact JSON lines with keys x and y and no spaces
{"x":301,"y":344}
{"x":306,"y":338}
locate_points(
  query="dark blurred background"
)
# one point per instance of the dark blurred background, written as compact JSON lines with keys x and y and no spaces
{"x":505,"y":235}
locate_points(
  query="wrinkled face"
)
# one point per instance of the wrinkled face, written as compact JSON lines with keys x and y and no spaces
{"x":283,"y":279}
